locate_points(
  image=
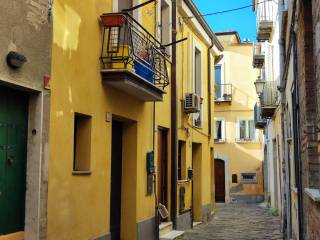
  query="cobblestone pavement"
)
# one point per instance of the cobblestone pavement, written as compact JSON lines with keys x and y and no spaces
{"x":238,"y":222}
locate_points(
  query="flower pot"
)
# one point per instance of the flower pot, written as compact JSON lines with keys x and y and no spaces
{"x":113,"y":20}
{"x":144,"y":70}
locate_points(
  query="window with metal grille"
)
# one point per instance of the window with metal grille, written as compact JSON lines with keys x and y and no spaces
{"x":248,"y":178}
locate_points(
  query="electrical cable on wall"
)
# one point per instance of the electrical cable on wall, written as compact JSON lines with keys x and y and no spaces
{"x":229,"y":10}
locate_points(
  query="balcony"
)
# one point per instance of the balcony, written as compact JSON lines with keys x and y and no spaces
{"x":269,"y":99}
{"x":265,"y":22}
{"x":223,"y":93}
{"x":258,"y":55}
{"x":133,"y":61}
{"x":259,"y":122}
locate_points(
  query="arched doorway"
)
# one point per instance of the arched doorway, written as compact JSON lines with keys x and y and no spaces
{"x":220,"y":184}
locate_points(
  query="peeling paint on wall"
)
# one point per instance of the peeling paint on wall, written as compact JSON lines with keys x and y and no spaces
{"x":37,"y":14}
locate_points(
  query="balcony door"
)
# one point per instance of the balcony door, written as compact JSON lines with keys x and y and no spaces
{"x":218,"y":82}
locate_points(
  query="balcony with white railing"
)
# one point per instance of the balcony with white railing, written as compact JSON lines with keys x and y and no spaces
{"x":133,"y":60}
{"x":269,"y":99}
{"x":259,"y":122}
{"x":265,"y":19}
{"x":258,"y":55}
{"x":223,"y":93}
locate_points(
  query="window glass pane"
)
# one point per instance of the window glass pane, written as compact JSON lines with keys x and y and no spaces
{"x":217,"y":81}
{"x":219,"y":129}
{"x":252,"y":131}
{"x":217,"y":74}
{"x":242,"y":125}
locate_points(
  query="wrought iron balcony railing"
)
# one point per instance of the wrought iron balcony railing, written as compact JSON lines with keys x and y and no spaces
{"x":259,"y":122}
{"x":129,"y":47}
{"x":265,"y":19}
{"x":269,"y":99}
{"x":223,"y":92}
{"x":258,"y":55}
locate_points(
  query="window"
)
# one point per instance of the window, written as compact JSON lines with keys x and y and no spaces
{"x":248,"y":178}
{"x":246,"y":130}
{"x":82,"y":143}
{"x":219,"y":130}
{"x":217,"y":81}
{"x":181,"y":160}
{"x":197,"y":85}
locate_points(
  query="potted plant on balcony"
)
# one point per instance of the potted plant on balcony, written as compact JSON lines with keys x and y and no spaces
{"x":227,"y":97}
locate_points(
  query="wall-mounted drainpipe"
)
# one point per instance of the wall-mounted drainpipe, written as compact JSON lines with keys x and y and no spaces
{"x":297,"y":143}
{"x":209,"y":89}
{"x":174,"y":116}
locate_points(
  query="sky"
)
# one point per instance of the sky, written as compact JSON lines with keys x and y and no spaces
{"x":243,"y":21}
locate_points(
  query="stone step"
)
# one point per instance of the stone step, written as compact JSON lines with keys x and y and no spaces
{"x":196,"y":224}
{"x":165,"y":228}
{"x":172,"y":235}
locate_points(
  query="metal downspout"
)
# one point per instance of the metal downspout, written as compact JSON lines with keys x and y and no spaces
{"x":209,"y":90}
{"x":174,"y":116}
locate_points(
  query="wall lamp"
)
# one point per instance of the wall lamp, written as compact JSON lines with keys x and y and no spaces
{"x":16,"y":60}
{"x":259,"y":86}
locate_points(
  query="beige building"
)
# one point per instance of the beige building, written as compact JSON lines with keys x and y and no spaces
{"x":238,"y":149}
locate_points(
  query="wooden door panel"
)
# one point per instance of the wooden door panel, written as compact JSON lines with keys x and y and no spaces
{"x":13,"y":148}
{"x":220,"y":180}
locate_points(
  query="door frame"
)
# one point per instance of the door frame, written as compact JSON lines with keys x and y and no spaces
{"x":36,"y":196}
{"x":168,"y":169}
{"x":227,"y":174}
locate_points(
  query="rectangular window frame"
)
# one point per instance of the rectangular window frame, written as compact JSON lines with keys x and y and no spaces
{"x":79,"y":166}
{"x":197,"y":48}
{"x":247,"y":137}
{"x":245,"y":180}
{"x":223,"y":130}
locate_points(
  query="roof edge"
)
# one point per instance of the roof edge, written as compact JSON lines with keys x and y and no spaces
{"x":194,"y":9}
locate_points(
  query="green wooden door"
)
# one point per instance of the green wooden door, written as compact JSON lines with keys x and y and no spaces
{"x":13,"y":148}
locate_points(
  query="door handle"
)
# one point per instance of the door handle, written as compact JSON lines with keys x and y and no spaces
{"x":10,"y":160}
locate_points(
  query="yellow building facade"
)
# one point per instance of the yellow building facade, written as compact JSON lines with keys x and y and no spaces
{"x":238,"y":145}
{"x":111,"y":122}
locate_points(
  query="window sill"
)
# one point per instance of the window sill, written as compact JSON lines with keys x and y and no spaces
{"x":180,"y":182}
{"x":81,"y":173}
{"x":252,"y":141}
{"x":219,"y":141}
{"x":314,"y":194}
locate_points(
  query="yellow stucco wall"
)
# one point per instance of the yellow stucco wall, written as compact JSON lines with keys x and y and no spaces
{"x":78,"y":206}
{"x":197,"y":140}
{"x":239,"y":157}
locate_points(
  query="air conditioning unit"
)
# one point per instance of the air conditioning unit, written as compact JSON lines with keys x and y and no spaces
{"x":192,"y":103}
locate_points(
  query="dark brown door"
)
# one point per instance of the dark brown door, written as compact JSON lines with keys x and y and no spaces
{"x":162,"y":169}
{"x":116,"y":176}
{"x":219,"y":175}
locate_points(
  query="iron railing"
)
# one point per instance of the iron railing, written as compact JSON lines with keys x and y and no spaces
{"x":223,"y":92}
{"x":269,"y":96}
{"x":259,"y":122}
{"x":264,"y":10}
{"x":258,"y":55}
{"x":126,"y":44}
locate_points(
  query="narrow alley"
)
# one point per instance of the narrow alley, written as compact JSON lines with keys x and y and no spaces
{"x":241,"y":222}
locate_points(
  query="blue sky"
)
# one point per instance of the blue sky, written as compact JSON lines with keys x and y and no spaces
{"x":242,"y":21}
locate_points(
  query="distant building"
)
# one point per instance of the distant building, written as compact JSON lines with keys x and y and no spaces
{"x":238,"y":151}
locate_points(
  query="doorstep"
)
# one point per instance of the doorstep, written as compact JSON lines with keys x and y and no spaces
{"x":172,"y":235}
{"x":13,"y":236}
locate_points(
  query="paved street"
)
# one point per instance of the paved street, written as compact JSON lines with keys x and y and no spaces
{"x":238,"y":222}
